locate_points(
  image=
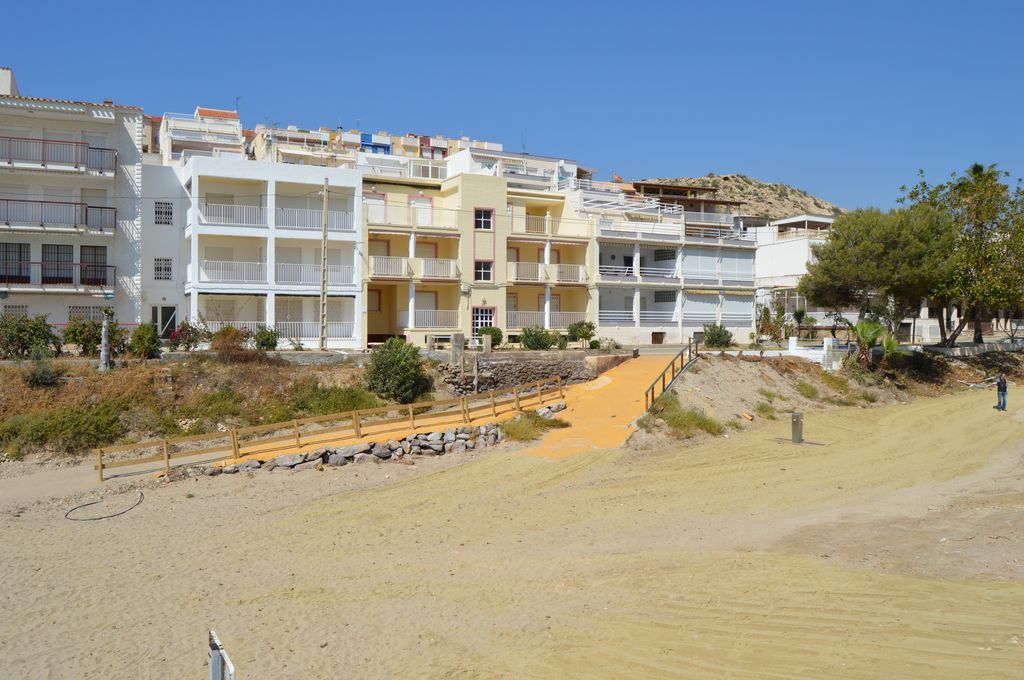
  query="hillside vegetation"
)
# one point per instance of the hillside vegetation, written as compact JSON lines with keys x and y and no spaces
{"x":773,"y":200}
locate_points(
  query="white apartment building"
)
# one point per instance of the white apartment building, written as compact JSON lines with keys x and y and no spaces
{"x":232,"y":241}
{"x":70,"y":191}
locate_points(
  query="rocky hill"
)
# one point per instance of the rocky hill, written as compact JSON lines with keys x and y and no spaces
{"x":762,"y":199}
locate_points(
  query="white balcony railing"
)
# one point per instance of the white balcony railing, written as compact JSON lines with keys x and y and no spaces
{"x":233,"y":215}
{"x":709,"y":218}
{"x":570,"y":273}
{"x":249,"y":326}
{"x":526,"y":271}
{"x":50,"y":153}
{"x":311,"y":329}
{"x":658,"y":272}
{"x":566,"y":319}
{"x":435,"y":268}
{"x":387,"y":265}
{"x":614,"y":270}
{"x":437,"y":318}
{"x":309,"y":274}
{"x":220,"y":271}
{"x":615,"y":317}
{"x":310,"y":218}
{"x":656,"y":316}
{"x":524,"y":319}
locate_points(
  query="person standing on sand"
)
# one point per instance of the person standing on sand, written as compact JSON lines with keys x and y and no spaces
{"x":1001,"y":392}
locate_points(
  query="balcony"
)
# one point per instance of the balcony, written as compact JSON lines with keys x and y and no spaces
{"x":534,"y":224}
{"x":388,"y":266}
{"x":657,"y":274}
{"x":652,"y":231}
{"x":524,"y":319}
{"x":299,"y":330}
{"x":436,"y":268}
{"x":56,"y":155}
{"x":526,"y":272}
{"x":430,"y":318}
{"x":722,"y":219}
{"x":310,"y":218}
{"x":42,"y":214}
{"x":310,"y":274}
{"x":610,"y":272}
{"x":64,"y":276}
{"x":657,"y":317}
{"x":615,"y":317}
{"x":719,"y":236}
{"x":569,"y":274}
{"x":233,"y":215}
{"x":220,"y":271}
{"x":566,"y":319}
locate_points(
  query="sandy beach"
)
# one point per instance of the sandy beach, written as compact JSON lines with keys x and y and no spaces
{"x":889,"y":546}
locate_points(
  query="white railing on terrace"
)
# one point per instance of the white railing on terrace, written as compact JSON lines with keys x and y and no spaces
{"x":566,"y":319}
{"x":570,"y":273}
{"x":397,"y":167}
{"x":234,"y":215}
{"x":616,"y":317}
{"x":526,"y":271}
{"x":665,"y":229}
{"x":250,"y":326}
{"x":311,"y":329}
{"x":388,"y":265}
{"x":661,"y":272}
{"x":615,"y":270}
{"x":309,"y":274}
{"x":713,"y":235}
{"x":311,"y":218}
{"x":709,"y":218}
{"x":802,"y":233}
{"x":436,"y":318}
{"x":220,"y":271}
{"x":524,"y":319}
{"x":47,"y":152}
{"x":656,"y":316}
{"x":437,"y":268}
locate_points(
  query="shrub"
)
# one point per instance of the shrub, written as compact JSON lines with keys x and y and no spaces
{"x":20,"y":334}
{"x":265,"y":338}
{"x":188,"y":336}
{"x":869,"y":397}
{"x":595,"y":344}
{"x":87,"y":335}
{"x":495,"y":333}
{"x":716,"y":335}
{"x":835,"y":382}
{"x":229,"y":339}
{"x":685,"y":422}
{"x":529,"y":426}
{"x":309,"y":398}
{"x":70,"y":429}
{"x":41,"y":373}
{"x":395,"y":372}
{"x":582,"y":330}
{"x":767,"y":394}
{"x":807,"y":390}
{"x":535,"y":337}
{"x":562,"y":342}
{"x":144,"y":342}
{"x":765,"y":410}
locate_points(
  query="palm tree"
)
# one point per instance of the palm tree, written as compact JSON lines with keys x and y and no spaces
{"x":867,"y":334}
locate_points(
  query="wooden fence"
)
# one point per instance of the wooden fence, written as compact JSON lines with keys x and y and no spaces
{"x":285,"y":436}
{"x":680,"y":361}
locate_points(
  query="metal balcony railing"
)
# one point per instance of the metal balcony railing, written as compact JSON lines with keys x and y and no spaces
{"x":657,"y":316}
{"x":309,"y":274}
{"x":57,"y":213}
{"x":726,"y":219}
{"x":311,"y":329}
{"x":566,"y":319}
{"x":233,"y":215}
{"x":615,"y":317}
{"x":524,"y":319}
{"x":311,"y":218}
{"x":570,"y":273}
{"x":49,"y":153}
{"x":436,"y":268}
{"x":389,"y":266}
{"x":22,"y":273}
{"x":221,"y":271}
{"x":526,"y":271}
{"x":615,"y":270}
{"x":658,"y":272}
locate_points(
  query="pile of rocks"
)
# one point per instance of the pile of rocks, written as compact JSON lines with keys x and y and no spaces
{"x":439,"y":443}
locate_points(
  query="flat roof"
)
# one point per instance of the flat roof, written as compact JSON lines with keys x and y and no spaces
{"x":805,"y":218}
{"x":108,"y":105}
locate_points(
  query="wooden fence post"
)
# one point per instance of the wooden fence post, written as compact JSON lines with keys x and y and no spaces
{"x":494,"y":408}
{"x":465,"y":410}
{"x":99,"y":462}
{"x":298,"y":439}
{"x":561,"y":392}
{"x":540,"y":393}
{"x":412,"y":418}
{"x":167,"y":459}
{"x":515,"y":393}
{"x":355,"y":424}
{"x":234,"y":444}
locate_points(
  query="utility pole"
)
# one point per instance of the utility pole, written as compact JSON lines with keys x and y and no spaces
{"x":323,"y":275}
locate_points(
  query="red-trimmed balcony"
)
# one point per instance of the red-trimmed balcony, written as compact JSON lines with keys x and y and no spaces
{"x":56,"y":155}
{"x":22,"y":275}
{"x":16,"y":213}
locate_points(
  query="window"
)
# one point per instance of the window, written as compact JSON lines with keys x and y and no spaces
{"x":14,"y":263}
{"x":483,"y":218}
{"x":163,"y":212}
{"x":58,"y":263}
{"x":94,"y":266}
{"x":662,"y":254}
{"x":86,"y":312}
{"x":664,"y":296}
{"x":483,"y":270}
{"x":162,"y":270}
{"x":16,"y":310}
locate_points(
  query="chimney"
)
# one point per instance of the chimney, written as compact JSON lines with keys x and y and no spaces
{"x":108,"y":102}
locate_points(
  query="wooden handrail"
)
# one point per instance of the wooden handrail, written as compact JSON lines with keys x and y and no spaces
{"x":665,"y":378}
{"x":235,"y":449}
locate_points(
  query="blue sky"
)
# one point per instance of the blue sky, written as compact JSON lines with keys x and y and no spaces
{"x":845,"y":100}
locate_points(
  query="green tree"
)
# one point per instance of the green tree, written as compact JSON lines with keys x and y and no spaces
{"x":395,"y":372}
{"x":984,"y":267}
{"x":866,"y":334}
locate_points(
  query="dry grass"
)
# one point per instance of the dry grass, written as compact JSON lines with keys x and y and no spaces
{"x":530,"y":426}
